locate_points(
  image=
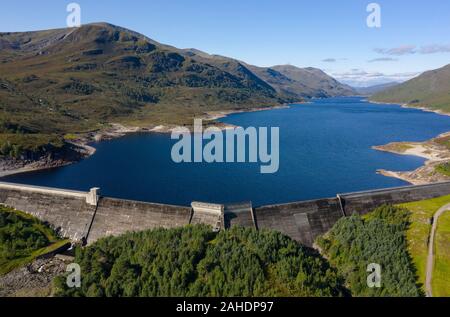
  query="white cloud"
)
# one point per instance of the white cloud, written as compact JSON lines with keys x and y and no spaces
{"x":362,"y":78}
{"x":435,"y":48}
{"x":412,"y":49}
{"x":398,"y":51}
{"x":383,"y":59}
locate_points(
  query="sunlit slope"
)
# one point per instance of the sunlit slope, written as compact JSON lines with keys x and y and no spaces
{"x":430,"y":90}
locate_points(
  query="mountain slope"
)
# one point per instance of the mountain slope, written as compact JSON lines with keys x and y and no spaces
{"x":292,"y":83}
{"x":371,"y":90}
{"x":430,"y":90}
{"x":298,"y":83}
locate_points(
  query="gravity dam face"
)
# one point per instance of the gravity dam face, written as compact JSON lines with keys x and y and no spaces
{"x":86,"y":216}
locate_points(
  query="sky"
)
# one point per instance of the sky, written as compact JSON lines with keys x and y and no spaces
{"x":332,"y":35}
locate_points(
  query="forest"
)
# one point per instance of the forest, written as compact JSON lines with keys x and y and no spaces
{"x":379,"y":237}
{"x":194,"y":261}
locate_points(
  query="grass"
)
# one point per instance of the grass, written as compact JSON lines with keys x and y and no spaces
{"x":443,"y":168}
{"x":17,"y":144}
{"x":444,"y":141}
{"x":9,"y":264}
{"x":441,"y":274}
{"x":421,"y":214}
{"x":398,"y":147}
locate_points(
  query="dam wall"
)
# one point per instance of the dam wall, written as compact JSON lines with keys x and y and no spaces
{"x":302,"y":221}
{"x":86,"y":216}
{"x":363,"y":202}
{"x":68,"y":212}
{"x":115,"y":217}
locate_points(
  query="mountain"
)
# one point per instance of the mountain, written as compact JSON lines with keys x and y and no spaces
{"x":430,"y":90}
{"x":293,"y":82}
{"x":368,"y":91}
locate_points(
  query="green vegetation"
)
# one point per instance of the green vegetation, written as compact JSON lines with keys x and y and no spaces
{"x":380,"y":237}
{"x":443,"y":168}
{"x":23,"y":238}
{"x":19,"y":145}
{"x":441,"y":274}
{"x":396,"y":147}
{"x":194,"y":261}
{"x":430,"y":90}
{"x":443,"y":141}
{"x":418,"y":234}
{"x":299,"y":83}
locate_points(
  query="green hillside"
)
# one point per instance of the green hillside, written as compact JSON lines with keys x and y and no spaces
{"x":302,"y":83}
{"x":430,"y":90}
{"x":23,"y":238}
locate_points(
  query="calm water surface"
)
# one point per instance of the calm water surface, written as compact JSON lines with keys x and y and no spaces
{"x":325,"y":149}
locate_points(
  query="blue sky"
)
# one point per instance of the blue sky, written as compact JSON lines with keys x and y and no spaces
{"x":332,"y":35}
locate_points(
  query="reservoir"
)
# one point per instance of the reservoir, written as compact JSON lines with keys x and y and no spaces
{"x":325,"y":149}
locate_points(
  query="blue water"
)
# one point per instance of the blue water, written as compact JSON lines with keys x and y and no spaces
{"x":325,"y":149}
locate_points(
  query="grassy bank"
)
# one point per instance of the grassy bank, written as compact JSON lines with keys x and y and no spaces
{"x":23,"y":238}
{"x":17,"y":145}
{"x":441,"y":274}
{"x":421,"y":214}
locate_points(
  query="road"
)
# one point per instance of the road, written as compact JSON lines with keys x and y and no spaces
{"x":431,"y":251}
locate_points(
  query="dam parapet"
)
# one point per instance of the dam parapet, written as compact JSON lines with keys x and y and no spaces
{"x":87,"y":216}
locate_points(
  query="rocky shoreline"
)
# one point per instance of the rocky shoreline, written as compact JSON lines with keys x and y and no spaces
{"x":72,"y":152}
{"x":436,"y":152}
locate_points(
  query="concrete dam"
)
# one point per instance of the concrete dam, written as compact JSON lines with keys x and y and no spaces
{"x":85,"y":217}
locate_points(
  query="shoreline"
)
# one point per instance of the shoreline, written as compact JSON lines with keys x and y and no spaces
{"x":434,"y":151}
{"x":114,"y":131}
{"x":408,"y":106}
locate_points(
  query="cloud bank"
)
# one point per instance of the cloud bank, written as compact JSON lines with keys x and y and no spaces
{"x":383,"y":59}
{"x":362,"y":78}
{"x":413,"y":49}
